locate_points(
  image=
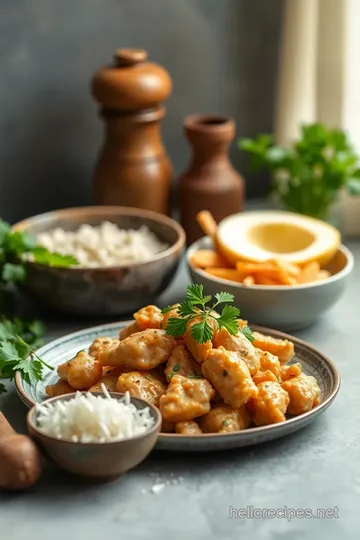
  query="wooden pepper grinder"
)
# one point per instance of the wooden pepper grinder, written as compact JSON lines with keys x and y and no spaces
{"x":133,"y":168}
{"x":210,"y":183}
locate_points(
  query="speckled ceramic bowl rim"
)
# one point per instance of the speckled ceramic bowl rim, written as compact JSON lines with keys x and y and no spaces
{"x":275,"y":333}
{"x":348,"y":268}
{"x":107,"y":212}
{"x":31,"y":420}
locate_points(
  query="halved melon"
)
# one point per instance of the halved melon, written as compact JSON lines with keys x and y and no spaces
{"x":263,"y":235}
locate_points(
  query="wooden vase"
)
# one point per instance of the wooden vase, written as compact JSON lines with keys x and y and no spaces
{"x":133,"y":168}
{"x":210,"y":183}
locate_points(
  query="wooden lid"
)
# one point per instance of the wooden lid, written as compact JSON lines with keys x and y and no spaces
{"x":131,"y":83}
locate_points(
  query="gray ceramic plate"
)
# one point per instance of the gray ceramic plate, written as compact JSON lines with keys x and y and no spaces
{"x":314,"y":363}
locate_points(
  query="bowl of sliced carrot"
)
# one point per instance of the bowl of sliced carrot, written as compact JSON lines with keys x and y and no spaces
{"x":275,"y":291}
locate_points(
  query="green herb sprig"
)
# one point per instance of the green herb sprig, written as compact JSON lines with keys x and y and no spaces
{"x":15,"y":246}
{"x":18,"y":339}
{"x":195,"y":306}
{"x":308,"y":175}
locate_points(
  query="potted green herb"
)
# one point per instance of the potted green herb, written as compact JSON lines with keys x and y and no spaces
{"x":308,"y":176}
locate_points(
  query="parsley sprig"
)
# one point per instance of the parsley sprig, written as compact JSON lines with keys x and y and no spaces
{"x":18,"y":339}
{"x":17,"y":245}
{"x":195,"y":306}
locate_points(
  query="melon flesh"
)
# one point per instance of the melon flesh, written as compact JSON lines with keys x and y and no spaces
{"x":263,"y":235}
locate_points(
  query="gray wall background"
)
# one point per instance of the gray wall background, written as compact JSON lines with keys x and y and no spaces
{"x":222,"y":55}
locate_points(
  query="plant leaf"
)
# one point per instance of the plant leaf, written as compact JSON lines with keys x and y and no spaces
{"x":246,"y":330}
{"x":353,"y":186}
{"x":30,"y":368}
{"x":202,"y":331}
{"x":186,"y":308}
{"x":19,"y":242}
{"x":176,"y":327}
{"x":14,"y":273}
{"x":222,"y":297}
{"x":43,"y":256}
{"x":228,"y":320}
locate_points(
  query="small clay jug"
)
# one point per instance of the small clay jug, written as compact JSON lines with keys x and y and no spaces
{"x":210,"y":183}
{"x":133,"y":168}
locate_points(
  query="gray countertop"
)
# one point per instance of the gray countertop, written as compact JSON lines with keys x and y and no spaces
{"x":318,"y":467}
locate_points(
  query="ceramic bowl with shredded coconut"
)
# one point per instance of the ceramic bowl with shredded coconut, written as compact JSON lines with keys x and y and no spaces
{"x":97,"y":435}
{"x":127,"y":257}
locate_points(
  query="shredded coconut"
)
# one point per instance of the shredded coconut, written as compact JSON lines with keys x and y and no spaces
{"x":157,"y":488}
{"x":104,"y":245}
{"x":93,"y":419}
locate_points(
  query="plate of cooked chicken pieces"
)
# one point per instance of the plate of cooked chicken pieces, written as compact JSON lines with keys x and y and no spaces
{"x":218,"y":382}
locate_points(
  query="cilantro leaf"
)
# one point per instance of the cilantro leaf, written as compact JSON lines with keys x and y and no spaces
{"x":167,"y":309}
{"x":246,"y":330}
{"x":194,"y":376}
{"x":36,"y":327}
{"x":186,"y":308}
{"x":195,"y":294}
{"x":13,"y":273}
{"x":4,"y":231}
{"x":228,"y":320}
{"x":43,"y":256}
{"x":8,"y":352}
{"x":31,"y":369}
{"x":222,"y":297}
{"x":176,"y":327}
{"x":194,"y":308}
{"x":202,"y":331}
{"x":19,"y":242}
{"x":6,"y":331}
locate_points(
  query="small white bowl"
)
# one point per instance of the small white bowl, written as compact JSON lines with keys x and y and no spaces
{"x":284,"y":307}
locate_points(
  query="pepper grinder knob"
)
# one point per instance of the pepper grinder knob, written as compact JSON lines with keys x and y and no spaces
{"x":130,"y":57}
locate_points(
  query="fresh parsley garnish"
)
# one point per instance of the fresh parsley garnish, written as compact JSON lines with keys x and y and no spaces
{"x":16,"y":248}
{"x":194,"y":376}
{"x":225,"y":423}
{"x":246,"y":330}
{"x":195,"y":307}
{"x":17,"y":342}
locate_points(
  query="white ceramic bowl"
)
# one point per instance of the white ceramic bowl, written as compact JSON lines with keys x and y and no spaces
{"x":282,"y":307}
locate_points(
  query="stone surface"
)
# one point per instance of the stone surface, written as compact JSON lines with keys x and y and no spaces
{"x":314,"y":468}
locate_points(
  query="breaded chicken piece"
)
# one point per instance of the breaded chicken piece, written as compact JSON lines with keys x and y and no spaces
{"x":269,"y":362}
{"x":282,"y":348}
{"x":186,"y":399}
{"x":148,"y":317}
{"x":81,"y":372}
{"x":262,"y":376}
{"x":241,"y":345}
{"x":101,"y":344}
{"x":109,"y":381}
{"x":230,"y":376}
{"x":224,"y":419}
{"x":242,"y":323}
{"x":304,"y":393}
{"x":60,"y":388}
{"x":269,"y":407}
{"x":143,"y":350}
{"x":128,"y":330}
{"x":187,"y":428}
{"x":142,"y":385}
{"x":289,"y":372}
{"x":181,"y":363}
